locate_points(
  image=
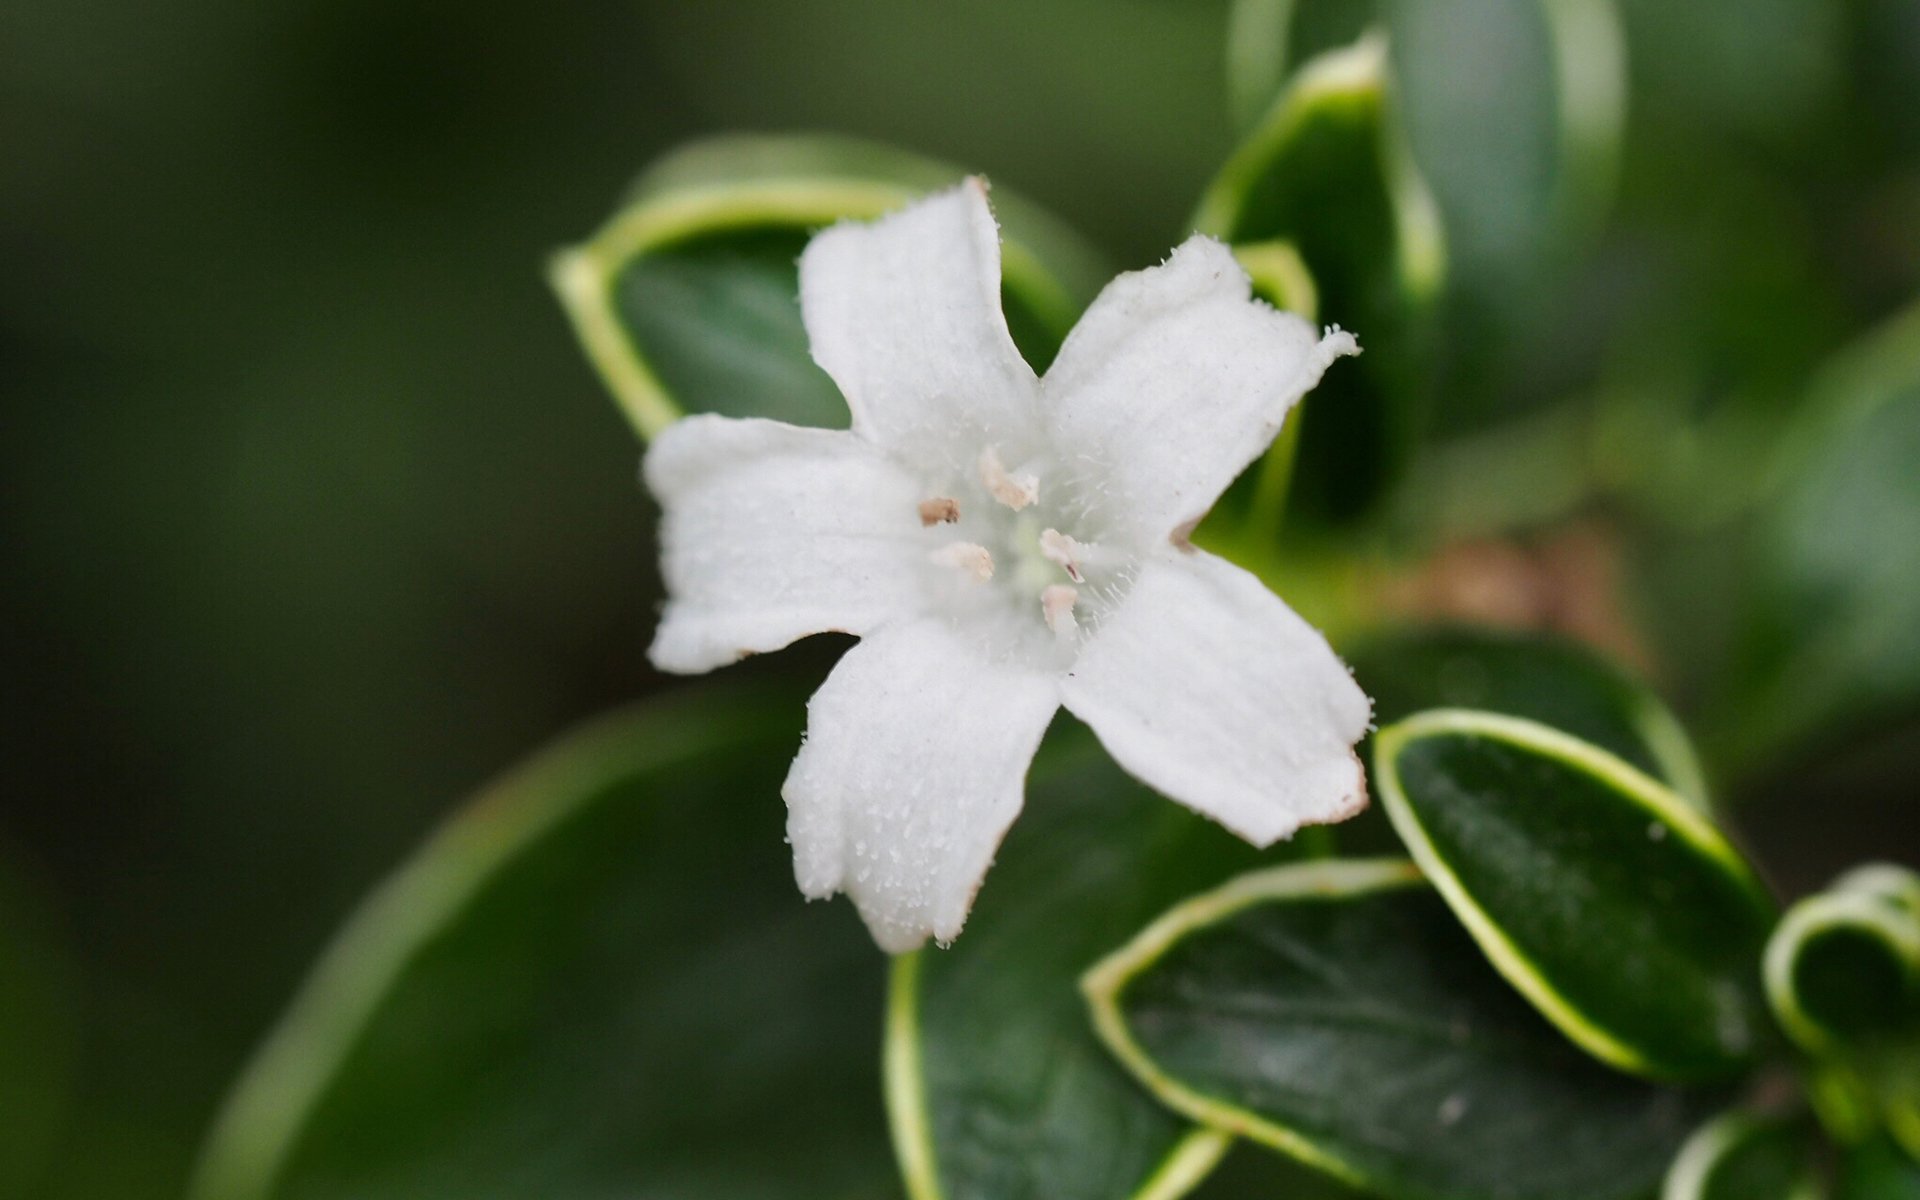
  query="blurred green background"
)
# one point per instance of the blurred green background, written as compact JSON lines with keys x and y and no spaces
{"x":315,"y":517}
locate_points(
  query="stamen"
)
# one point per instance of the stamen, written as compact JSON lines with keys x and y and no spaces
{"x":1056,"y":604}
{"x":970,"y":557}
{"x":1016,"y":492}
{"x":939,"y":511}
{"x":1063,"y":552}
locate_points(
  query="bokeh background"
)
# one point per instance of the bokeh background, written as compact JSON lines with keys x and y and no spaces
{"x":314,"y":517}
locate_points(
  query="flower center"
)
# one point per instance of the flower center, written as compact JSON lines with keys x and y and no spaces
{"x":1004,"y":560}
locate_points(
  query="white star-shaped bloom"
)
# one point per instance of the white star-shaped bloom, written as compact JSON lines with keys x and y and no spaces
{"x":1004,"y":545}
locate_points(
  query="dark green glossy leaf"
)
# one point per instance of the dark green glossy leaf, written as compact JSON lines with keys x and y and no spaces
{"x":998,"y":1088}
{"x":1336,"y":1011}
{"x":1613,"y":905}
{"x":687,"y":299}
{"x":1542,"y":678}
{"x":596,"y":980}
{"x":1742,"y":1156}
{"x":1323,"y":171}
{"x":1251,"y":1171}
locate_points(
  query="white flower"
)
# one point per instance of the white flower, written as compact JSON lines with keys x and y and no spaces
{"x":1004,"y":545}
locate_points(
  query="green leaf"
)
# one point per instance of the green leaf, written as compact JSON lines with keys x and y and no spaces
{"x":1507,"y":116}
{"x":1744,"y":1156}
{"x":1250,"y":1171}
{"x":595,"y":980}
{"x":1844,"y":965}
{"x":1325,"y":171}
{"x":998,"y":1089}
{"x":1612,"y":904}
{"x":1513,"y":112}
{"x":1834,"y":641}
{"x":1843,"y":976}
{"x":1335,"y":1011}
{"x":1268,"y":39}
{"x":687,"y":299}
{"x":1513,"y":109}
{"x":1280,"y":276}
{"x":1546,"y":679}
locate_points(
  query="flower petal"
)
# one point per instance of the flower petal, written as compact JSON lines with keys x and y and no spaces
{"x":1175,"y":380}
{"x":1207,"y":687}
{"x":913,"y":768}
{"x":770,"y":532}
{"x":904,"y":313}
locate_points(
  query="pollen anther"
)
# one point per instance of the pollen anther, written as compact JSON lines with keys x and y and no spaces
{"x":1056,"y":604}
{"x":1014,"y":491}
{"x":1063,"y":552}
{"x":970,"y":557}
{"x":940,"y":510}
